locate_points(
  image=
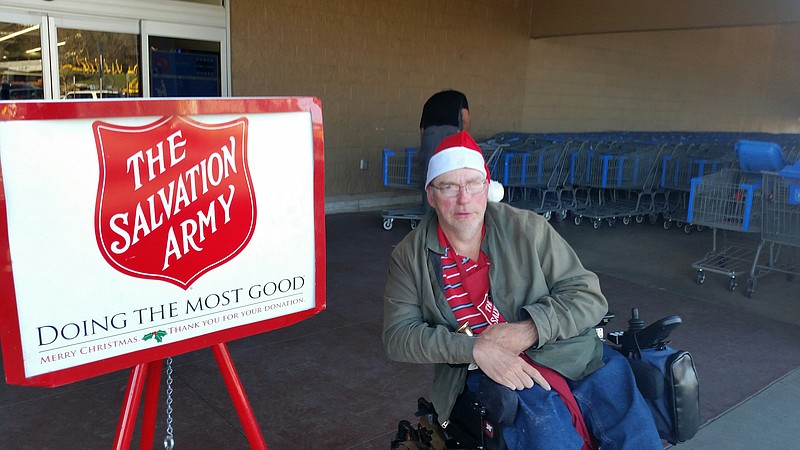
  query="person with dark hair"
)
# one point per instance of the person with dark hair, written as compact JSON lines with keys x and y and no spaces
{"x":5,"y":91}
{"x":502,"y":306}
{"x":443,"y":114}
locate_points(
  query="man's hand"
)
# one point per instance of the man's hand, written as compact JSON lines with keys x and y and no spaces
{"x":497,"y":351}
{"x":515,"y":337}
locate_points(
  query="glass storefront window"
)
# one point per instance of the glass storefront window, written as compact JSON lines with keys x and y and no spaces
{"x":97,"y":64}
{"x":20,"y":62}
{"x":64,"y":52}
{"x":184,"y":67}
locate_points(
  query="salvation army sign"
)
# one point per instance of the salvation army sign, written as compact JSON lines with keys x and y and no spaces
{"x":175,"y":198}
{"x":133,"y":230}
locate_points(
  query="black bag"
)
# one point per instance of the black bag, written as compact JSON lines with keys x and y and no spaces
{"x":470,"y":426}
{"x":667,"y":379}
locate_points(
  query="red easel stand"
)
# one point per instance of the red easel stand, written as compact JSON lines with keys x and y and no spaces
{"x":152,"y":370}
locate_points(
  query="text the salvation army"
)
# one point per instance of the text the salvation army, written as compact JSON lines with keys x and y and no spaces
{"x":175,"y":195}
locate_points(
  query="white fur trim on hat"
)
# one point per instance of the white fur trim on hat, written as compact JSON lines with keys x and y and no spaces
{"x":496,"y":191}
{"x":454,"y":158}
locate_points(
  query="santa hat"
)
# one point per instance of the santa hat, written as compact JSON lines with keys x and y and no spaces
{"x":460,"y":151}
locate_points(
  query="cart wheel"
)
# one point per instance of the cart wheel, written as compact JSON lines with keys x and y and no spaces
{"x":678,"y":223}
{"x":667,"y":224}
{"x":596,"y":224}
{"x":653,"y":219}
{"x":562,"y":215}
{"x":548,"y":215}
{"x":639,"y":218}
{"x":732,"y":284}
{"x":700,"y":228}
{"x":687,"y":228}
{"x":626,"y":220}
{"x":413,"y":224}
{"x":387,"y":224}
{"x":612,"y":221}
{"x":701,"y":276}
{"x":751,"y":286}
{"x":577,"y":220}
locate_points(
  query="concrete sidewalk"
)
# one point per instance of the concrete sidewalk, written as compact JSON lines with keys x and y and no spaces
{"x":767,"y":420}
{"x":325,"y":383}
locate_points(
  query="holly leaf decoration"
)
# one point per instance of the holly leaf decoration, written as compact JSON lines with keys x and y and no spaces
{"x":160,"y":335}
{"x":157,"y":335}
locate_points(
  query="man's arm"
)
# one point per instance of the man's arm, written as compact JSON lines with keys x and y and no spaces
{"x":574,"y":302}
{"x":407,"y":335}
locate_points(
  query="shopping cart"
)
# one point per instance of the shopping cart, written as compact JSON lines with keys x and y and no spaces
{"x":532,"y":174}
{"x":620,"y":181}
{"x":402,"y":170}
{"x":679,"y":166}
{"x":729,"y":202}
{"x":780,"y":230}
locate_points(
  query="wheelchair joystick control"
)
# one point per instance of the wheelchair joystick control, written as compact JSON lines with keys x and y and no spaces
{"x":635,"y":323}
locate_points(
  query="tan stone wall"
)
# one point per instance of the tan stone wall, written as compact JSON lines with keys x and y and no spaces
{"x":374,"y":63}
{"x":722,"y":79}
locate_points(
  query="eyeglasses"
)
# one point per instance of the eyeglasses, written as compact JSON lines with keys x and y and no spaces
{"x":450,"y":190}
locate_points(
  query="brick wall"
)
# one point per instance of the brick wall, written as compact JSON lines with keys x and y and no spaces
{"x":373,"y":64}
{"x":721,"y":79}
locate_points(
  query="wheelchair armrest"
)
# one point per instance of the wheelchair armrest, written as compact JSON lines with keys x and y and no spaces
{"x":605,"y":320}
{"x":657,"y":331}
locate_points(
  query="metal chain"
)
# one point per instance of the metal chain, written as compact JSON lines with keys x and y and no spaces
{"x":169,"y":441}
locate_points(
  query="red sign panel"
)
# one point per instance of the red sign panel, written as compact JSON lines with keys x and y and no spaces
{"x":134,"y":230}
{"x":175,"y":197}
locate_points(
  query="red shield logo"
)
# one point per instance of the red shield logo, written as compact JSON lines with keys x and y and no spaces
{"x":175,"y":198}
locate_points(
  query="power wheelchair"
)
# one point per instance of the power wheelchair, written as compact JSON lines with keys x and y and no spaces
{"x":666,"y":378}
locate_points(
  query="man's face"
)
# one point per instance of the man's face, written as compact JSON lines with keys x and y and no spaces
{"x":463,"y":213}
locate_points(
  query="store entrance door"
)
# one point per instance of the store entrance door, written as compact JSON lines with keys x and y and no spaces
{"x":184,"y":68}
{"x":185,"y":60}
{"x":21,"y":74}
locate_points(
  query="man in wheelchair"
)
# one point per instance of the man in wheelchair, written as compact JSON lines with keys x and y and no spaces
{"x":501,"y":304}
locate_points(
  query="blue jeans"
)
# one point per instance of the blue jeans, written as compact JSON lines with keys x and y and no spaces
{"x":612,"y":407}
